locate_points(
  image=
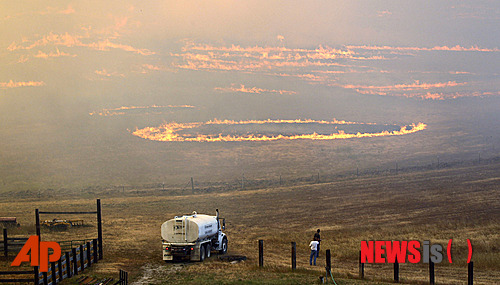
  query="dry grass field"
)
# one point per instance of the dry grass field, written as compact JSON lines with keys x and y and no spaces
{"x":456,"y":203}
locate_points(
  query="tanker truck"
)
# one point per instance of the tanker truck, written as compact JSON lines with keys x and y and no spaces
{"x":193,"y":236}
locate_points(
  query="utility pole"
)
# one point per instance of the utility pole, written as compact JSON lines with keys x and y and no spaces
{"x":192,"y":184}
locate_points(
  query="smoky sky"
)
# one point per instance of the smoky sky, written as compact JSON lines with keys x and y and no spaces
{"x":103,"y":55}
{"x":144,"y":63}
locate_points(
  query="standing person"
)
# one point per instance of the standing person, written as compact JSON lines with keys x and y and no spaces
{"x":317,"y":237}
{"x":314,"y":251}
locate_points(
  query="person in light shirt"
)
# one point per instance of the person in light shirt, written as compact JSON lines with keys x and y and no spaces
{"x":314,"y":249}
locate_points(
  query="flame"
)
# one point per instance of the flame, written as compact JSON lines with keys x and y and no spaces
{"x":406,"y":87}
{"x":436,"y":48}
{"x":12,"y":84}
{"x":52,"y":10}
{"x":122,"y":110}
{"x":384,"y":13}
{"x":322,"y":65}
{"x":58,"y":53}
{"x":254,"y":90}
{"x":444,"y":96}
{"x":68,"y":11}
{"x":106,"y":73}
{"x":257,"y":58}
{"x":270,"y":121}
{"x":151,"y":67}
{"x":169,"y":132}
{"x":68,"y":40}
{"x":416,"y":85}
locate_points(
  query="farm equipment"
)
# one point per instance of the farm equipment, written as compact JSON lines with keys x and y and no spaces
{"x":9,"y":222}
{"x":61,"y":224}
{"x":193,"y":236}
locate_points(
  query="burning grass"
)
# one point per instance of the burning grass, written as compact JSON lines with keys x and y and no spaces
{"x":267,"y":130}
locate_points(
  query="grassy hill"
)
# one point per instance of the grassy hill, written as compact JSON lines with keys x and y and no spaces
{"x":456,"y":203}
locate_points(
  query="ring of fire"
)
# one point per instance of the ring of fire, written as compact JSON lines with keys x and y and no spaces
{"x":173,"y":132}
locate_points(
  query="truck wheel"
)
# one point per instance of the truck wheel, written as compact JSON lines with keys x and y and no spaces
{"x":209,"y":249}
{"x":224,"y":246}
{"x":202,"y":253}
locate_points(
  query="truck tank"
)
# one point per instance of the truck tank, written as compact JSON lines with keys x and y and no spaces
{"x":189,"y":228}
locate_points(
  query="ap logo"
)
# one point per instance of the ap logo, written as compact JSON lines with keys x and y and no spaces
{"x":38,"y":253}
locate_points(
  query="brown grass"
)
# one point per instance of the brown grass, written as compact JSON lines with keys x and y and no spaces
{"x":459,"y":203}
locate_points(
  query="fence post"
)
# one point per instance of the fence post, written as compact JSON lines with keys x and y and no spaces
{"x":294,"y":255}
{"x":54,"y":276}
{"x":261,"y":253}
{"x":45,"y":281}
{"x":75,"y":261}
{"x":396,"y":272}
{"x":89,"y":259}
{"x":37,"y":275}
{"x":470,"y":275}
{"x":68,"y":264}
{"x":60,"y":269}
{"x":37,"y":223}
{"x":361,"y":267}
{"x":99,"y":227}
{"x":94,"y":245}
{"x":5,"y":243}
{"x":431,"y":273}
{"x":328,"y":261}
{"x":82,"y":258}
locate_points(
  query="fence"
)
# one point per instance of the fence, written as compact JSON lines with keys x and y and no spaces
{"x":67,"y":245}
{"x":123,"y":278}
{"x":470,"y":266}
{"x":23,"y":278}
{"x":13,"y":244}
{"x":244,"y":182}
{"x":72,"y":262}
{"x":99,"y":223}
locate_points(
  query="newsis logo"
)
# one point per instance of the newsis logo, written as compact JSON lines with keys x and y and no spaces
{"x":37,"y":253}
{"x":386,"y":251}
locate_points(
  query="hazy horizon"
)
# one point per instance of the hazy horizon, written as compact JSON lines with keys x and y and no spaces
{"x":80,"y":77}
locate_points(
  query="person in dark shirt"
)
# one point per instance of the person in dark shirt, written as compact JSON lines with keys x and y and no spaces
{"x":317,"y":237}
